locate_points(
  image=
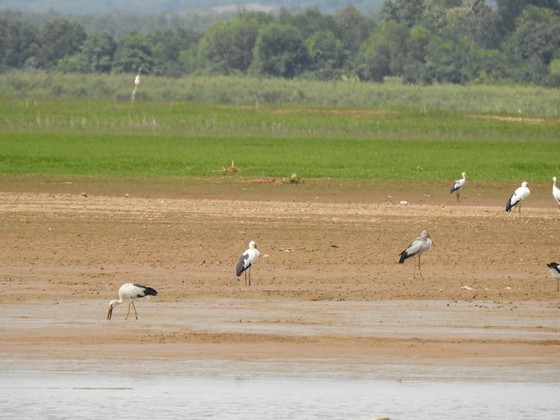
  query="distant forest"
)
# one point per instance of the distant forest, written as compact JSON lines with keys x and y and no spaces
{"x":418,"y":41}
{"x":80,"y":7}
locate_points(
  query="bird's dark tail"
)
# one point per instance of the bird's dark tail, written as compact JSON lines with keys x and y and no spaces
{"x":509,"y":205}
{"x":240,"y":268}
{"x":148,"y":291}
{"x":404,"y":256}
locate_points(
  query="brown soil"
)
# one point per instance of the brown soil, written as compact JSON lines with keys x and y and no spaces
{"x":328,"y":286}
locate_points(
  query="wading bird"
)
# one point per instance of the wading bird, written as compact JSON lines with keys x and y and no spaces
{"x":246,"y":261}
{"x":517,"y":197}
{"x":555,"y":272}
{"x":459,"y":183}
{"x":421,"y":244}
{"x":130,"y":292}
{"x":555,"y":191}
{"x":136,"y":83}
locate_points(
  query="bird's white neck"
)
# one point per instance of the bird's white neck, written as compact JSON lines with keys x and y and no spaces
{"x":114,"y":303}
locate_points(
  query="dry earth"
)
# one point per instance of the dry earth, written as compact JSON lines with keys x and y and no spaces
{"x":327,"y":290}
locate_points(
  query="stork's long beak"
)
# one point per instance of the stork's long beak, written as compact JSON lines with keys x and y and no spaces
{"x":110,"y":313}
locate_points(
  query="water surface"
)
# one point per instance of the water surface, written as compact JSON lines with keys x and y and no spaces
{"x":35,"y":395}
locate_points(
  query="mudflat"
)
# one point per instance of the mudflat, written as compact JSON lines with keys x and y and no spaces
{"x":327,"y":290}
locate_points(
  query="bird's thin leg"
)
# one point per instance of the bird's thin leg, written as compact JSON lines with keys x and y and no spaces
{"x":245,"y":278}
{"x":420,"y":268}
{"x":249,"y":276}
{"x":134,"y":306}
{"x":458,"y":193}
{"x":519,"y":211}
{"x":129,"y":303}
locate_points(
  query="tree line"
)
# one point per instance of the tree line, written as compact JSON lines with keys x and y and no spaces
{"x":152,"y":7}
{"x":419,"y":41}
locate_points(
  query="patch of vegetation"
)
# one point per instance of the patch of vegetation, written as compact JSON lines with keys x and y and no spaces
{"x":105,"y":137}
{"x":513,"y":101}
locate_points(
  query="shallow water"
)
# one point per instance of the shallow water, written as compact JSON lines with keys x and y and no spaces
{"x":32,"y":395}
{"x":97,"y":385}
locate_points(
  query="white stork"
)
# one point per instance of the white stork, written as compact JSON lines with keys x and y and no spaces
{"x":517,"y":197}
{"x":555,"y":272}
{"x":421,"y":244}
{"x":130,"y":292}
{"x":555,"y":191}
{"x":246,"y":261}
{"x":459,"y":183}
{"x":136,"y":83}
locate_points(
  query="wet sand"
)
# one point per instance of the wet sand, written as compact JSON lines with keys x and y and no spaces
{"x":328,"y":296}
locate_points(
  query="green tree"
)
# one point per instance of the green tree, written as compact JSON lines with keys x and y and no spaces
{"x":134,"y":51}
{"x":18,"y":44}
{"x":326,"y":55}
{"x":415,"y":69}
{"x":59,"y":38}
{"x":534,"y":44}
{"x":537,"y":34}
{"x":309,"y":21}
{"x":406,"y":12}
{"x":384,"y":53}
{"x":353,"y":29}
{"x":454,"y":60}
{"x":510,"y":10}
{"x":476,"y":21}
{"x":188,"y":41}
{"x":165,"y":46}
{"x":280,"y":51}
{"x":228,"y":46}
{"x":434,"y":16}
{"x":376,"y":62}
{"x":96,"y":55}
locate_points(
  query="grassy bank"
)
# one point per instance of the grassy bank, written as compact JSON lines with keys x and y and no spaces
{"x":514,"y":100}
{"x":155,"y":138}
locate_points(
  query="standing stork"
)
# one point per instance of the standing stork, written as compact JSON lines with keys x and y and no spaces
{"x":555,"y":191}
{"x":517,"y":197}
{"x":555,"y":272}
{"x":421,"y":244}
{"x":459,"y":183}
{"x":136,"y":83}
{"x":246,"y":261}
{"x":130,"y":292}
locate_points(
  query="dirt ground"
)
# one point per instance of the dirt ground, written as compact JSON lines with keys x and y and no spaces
{"x":327,"y":289}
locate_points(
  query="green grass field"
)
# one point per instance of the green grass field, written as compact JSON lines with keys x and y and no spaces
{"x":106,"y":137}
